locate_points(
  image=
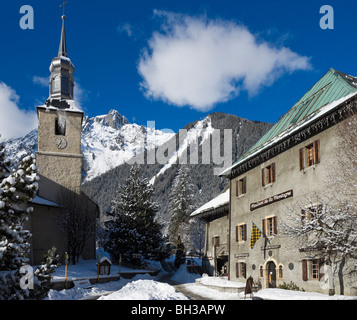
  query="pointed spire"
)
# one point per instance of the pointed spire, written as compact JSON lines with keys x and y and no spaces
{"x":62,"y":69}
{"x":62,"y":52}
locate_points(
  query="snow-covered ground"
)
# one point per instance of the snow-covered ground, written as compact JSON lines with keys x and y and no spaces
{"x":87,"y":269}
{"x":101,"y":289}
{"x":146,"y":287}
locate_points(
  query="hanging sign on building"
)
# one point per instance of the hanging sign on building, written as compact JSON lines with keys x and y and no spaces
{"x":270,"y":200}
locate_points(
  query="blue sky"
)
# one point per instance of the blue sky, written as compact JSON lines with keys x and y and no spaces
{"x":173,"y":62}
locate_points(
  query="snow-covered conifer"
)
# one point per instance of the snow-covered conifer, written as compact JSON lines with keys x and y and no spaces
{"x":180,"y":256}
{"x":43,"y":274}
{"x":182,"y":204}
{"x":133,"y":229}
{"x":16,"y":190}
{"x":3,"y":164}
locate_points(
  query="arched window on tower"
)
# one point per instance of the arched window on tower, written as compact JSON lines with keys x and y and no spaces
{"x":60,"y":127}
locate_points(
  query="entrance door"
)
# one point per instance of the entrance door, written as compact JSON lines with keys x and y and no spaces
{"x":222,"y":265}
{"x":271,"y":275}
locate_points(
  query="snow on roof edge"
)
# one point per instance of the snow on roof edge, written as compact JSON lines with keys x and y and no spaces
{"x":105,"y":258}
{"x":42,"y":201}
{"x":219,"y":201}
{"x":73,"y":107}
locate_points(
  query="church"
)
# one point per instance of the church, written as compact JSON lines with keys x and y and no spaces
{"x":63,"y":217}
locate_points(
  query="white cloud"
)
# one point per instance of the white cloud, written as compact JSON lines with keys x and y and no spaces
{"x":14,"y":122}
{"x":42,"y":81}
{"x":198,"y":62}
{"x":80,"y":95}
{"x":125,"y":28}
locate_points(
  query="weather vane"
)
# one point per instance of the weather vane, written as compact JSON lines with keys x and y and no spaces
{"x":63,"y":5}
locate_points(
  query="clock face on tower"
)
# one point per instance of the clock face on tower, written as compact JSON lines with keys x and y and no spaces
{"x":61,"y":143}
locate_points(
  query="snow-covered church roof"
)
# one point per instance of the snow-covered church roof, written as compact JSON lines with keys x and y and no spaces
{"x":67,"y":105}
{"x":42,"y":201}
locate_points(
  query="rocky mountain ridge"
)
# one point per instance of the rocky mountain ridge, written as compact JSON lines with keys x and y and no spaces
{"x":110,"y":143}
{"x":244,"y":133}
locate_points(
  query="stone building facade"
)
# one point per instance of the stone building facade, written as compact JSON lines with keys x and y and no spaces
{"x":216,"y":251}
{"x":290,"y":169}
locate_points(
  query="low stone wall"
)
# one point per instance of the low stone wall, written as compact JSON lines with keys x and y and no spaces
{"x":230,"y":289}
{"x":220,"y":288}
{"x":60,"y":285}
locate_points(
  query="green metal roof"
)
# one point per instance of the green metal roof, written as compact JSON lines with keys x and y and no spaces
{"x":333,"y":86}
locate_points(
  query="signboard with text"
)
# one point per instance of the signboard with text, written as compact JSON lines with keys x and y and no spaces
{"x":270,"y":200}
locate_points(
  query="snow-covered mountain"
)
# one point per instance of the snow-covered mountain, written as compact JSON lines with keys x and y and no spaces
{"x":199,"y":132}
{"x":107,"y":142}
{"x":18,"y":148}
{"x":110,"y":140}
{"x":244,"y":133}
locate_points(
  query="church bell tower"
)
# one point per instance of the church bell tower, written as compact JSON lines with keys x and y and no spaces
{"x":61,"y":79}
{"x":59,"y":156}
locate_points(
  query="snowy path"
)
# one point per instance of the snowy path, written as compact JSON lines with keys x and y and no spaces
{"x":186,"y":289}
{"x":182,"y":288}
{"x":193,"y":291}
{"x":190,"y":290}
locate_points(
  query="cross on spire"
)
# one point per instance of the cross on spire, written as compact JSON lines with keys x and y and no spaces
{"x":63,"y":46}
{"x":63,"y":7}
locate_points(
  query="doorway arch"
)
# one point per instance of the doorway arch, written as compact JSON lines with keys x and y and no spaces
{"x":270,"y":273}
{"x":271,"y":266}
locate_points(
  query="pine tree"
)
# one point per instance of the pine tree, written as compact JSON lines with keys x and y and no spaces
{"x":43,"y":274}
{"x":3,"y":164}
{"x":16,"y":190}
{"x":181,"y":206}
{"x":133,"y":229}
{"x":180,"y":257}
